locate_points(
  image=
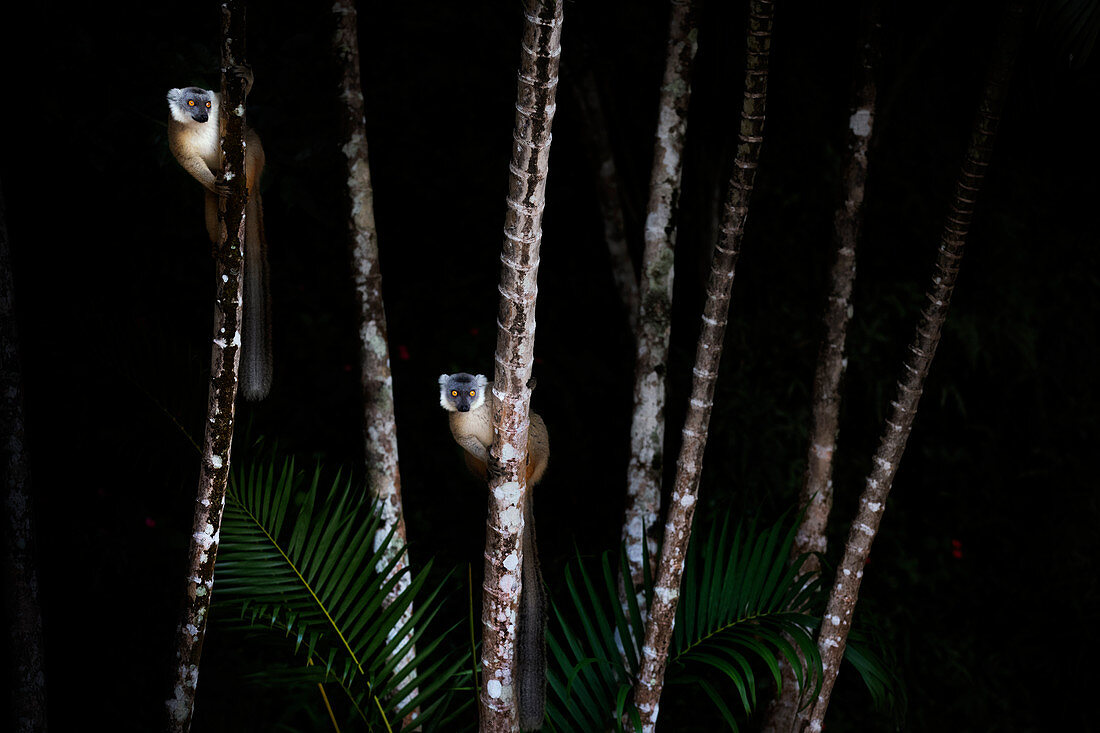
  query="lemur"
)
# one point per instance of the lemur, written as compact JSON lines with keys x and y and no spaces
{"x":194,"y":136}
{"x":464,"y":396}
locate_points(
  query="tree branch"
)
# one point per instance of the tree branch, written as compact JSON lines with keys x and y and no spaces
{"x":817,"y":487}
{"x":379,"y":424}
{"x":598,"y":147}
{"x":647,"y":429}
{"x":535,"y":106}
{"x":225,"y":359}
{"x":833,"y":636}
{"x":26,"y":672}
{"x":708,"y":354}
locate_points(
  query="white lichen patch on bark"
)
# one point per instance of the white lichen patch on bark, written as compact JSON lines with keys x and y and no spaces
{"x":179,"y":707}
{"x":511,"y":562}
{"x":372,"y":340}
{"x":508,"y":453}
{"x":511,"y":519}
{"x":860,"y":122}
{"x":634,"y":540}
{"x":509,"y":582}
{"x":507,"y":493}
{"x":666,"y":594}
{"x":380,"y":536}
{"x":204,"y":539}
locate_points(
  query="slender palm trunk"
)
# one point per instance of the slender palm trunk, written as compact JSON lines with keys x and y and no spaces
{"x":817,"y":487}
{"x":26,"y":665}
{"x":535,"y":106}
{"x":708,"y":354}
{"x":379,"y":425}
{"x":833,"y":636}
{"x":647,"y":430}
{"x":816,"y":498}
{"x":598,"y":146}
{"x":225,"y":360}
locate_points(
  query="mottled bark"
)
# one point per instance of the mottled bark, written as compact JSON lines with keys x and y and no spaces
{"x":535,"y":105}
{"x":647,"y":429}
{"x":817,"y":487}
{"x":379,"y":425}
{"x":225,"y":360}
{"x":647,"y":691}
{"x":598,"y":147}
{"x":816,"y":497}
{"x":833,"y":636}
{"x":26,"y":666}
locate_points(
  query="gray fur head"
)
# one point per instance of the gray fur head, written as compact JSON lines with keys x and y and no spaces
{"x":192,"y":104}
{"x":462,"y":392}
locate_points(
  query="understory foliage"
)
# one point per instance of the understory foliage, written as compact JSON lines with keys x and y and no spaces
{"x":873,"y":658}
{"x":299,"y":557}
{"x":309,"y":561}
{"x":743,"y":607}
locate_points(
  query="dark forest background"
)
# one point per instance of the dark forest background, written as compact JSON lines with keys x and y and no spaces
{"x":983,"y":580}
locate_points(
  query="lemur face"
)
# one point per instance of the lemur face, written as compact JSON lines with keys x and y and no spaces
{"x":191,"y":104}
{"x":461,"y":392}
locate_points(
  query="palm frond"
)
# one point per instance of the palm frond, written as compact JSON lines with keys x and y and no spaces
{"x":1073,"y":27}
{"x":866,"y":651}
{"x":591,"y":671}
{"x":743,"y":608}
{"x":312,"y":562}
{"x":747,"y":608}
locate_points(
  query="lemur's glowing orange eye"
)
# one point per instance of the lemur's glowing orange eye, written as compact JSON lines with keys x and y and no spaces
{"x":208,"y":105}
{"x":454,"y":393}
{"x":472,"y":393}
{"x":190,"y":103}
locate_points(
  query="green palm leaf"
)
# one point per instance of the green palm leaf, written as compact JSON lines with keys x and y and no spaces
{"x":314,"y":563}
{"x":865,"y":652}
{"x":591,"y":671}
{"x":755,"y":614}
{"x":744,"y":607}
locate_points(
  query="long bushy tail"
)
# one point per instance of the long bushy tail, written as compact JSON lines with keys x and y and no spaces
{"x":531,"y":634}
{"x":256,"y":362}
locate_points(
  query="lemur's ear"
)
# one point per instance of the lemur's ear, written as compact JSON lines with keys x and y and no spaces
{"x":481,"y":381}
{"x":443,"y":379}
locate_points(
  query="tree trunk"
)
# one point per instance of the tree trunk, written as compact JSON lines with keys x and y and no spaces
{"x":833,"y":636}
{"x":379,"y":426}
{"x":647,"y":691}
{"x":647,"y":430}
{"x":816,"y":498}
{"x":26,"y":673}
{"x":225,"y":359}
{"x":598,"y":147}
{"x":535,"y":105}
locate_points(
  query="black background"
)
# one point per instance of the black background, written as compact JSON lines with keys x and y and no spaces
{"x":113,"y":285}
